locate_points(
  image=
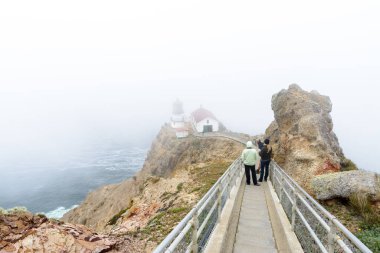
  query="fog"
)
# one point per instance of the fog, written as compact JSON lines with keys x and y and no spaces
{"x":84,"y":74}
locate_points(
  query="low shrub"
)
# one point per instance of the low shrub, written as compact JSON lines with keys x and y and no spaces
{"x":371,"y":238}
{"x":347,"y":165}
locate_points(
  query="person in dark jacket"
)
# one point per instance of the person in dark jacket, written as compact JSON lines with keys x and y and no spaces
{"x":260,"y":144}
{"x":266,"y":155}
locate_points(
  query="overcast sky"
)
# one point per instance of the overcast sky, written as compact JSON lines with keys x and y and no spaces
{"x":79,"y":72}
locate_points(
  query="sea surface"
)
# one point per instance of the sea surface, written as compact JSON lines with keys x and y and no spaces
{"x":54,"y":189}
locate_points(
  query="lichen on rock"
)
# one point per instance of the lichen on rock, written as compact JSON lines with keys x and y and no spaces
{"x":345,"y":184}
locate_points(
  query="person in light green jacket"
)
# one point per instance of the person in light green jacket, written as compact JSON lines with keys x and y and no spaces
{"x":250,"y":158}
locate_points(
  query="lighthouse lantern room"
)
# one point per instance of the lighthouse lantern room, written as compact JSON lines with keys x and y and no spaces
{"x":178,"y":115}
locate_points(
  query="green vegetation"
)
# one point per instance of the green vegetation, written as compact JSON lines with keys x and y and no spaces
{"x":179,"y":187}
{"x":116,"y":217}
{"x":370,"y":236}
{"x":205,"y":177}
{"x":167,"y":195}
{"x":369,"y":231}
{"x":174,"y":209}
{"x":360,"y":216}
{"x":161,"y":224}
{"x":348,"y":165}
{"x":177,"y":210}
{"x":167,"y":218}
{"x":41,"y":215}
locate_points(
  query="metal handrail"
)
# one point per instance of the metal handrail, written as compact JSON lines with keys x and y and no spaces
{"x":338,"y":236}
{"x":188,"y":229}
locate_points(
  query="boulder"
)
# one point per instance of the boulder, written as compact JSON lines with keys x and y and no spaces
{"x":344,"y":184}
{"x":302,"y":135}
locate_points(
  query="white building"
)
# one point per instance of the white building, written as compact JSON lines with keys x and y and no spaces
{"x":178,"y":120}
{"x":178,"y":115}
{"x":204,"y":121}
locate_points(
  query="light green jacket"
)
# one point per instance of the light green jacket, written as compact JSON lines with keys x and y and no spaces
{"x":250,"y":156}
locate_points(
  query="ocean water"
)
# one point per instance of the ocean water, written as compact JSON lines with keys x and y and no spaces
{"x":54,"y":189}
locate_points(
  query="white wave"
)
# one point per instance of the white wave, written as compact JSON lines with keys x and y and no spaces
{"x":59,"y":212}
{"x":112,"y":169}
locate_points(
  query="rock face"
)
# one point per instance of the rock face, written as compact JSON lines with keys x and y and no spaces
{"x":302,"y":135}
{"x":102,"y":204}
{"x":21,"y":231}
{"x":344,"y":184}
{"x":166,"y":156}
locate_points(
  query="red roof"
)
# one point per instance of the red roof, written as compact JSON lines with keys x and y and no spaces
{"x":201,"y":114}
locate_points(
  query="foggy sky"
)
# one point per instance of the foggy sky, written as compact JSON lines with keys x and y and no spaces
{"x":79,"y":73}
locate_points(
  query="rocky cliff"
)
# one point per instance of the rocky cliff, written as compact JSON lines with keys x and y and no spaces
{"x":134,"y":215}
{"x":176,"y":173}
{"x":302,"y":134}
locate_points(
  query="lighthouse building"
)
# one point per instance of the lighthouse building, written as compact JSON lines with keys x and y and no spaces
{"x":178,"y":120}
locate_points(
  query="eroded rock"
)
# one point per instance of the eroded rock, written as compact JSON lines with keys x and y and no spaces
{"x":302,"y":134}
{"x":344,"y":184}
{"x":21,"y":231}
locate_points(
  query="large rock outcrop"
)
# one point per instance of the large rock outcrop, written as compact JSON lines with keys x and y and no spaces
{"x":302,"y":134}
{"x":21,"y":231}
{"x":345,"y":184}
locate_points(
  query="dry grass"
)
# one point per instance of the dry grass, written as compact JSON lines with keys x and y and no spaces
{"x":205,"y":177}
{"x":362,"y":204}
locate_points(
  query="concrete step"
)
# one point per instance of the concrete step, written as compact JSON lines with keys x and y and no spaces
{"x":259,"y":239}
{"x":255,"y":222}
{"x":244,"y":248}
{"x":253,"y":229}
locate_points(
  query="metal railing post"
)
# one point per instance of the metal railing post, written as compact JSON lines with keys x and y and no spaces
{"x":271,"y":172}
{"x":331,"y":237}
{"x":281,"y":186}
{"x":235,"y":176}
{"x":219,"y":200}
{"x":195,"y":225}
{"x":294,"y":208}
{"x":230,"y":178}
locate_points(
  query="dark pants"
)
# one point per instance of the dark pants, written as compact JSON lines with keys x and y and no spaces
{"x":248,"y":171}
{"x":264,"y":167}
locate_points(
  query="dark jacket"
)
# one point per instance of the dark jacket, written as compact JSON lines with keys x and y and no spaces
{"x":266,"y":153}
{"x":260,"y":145}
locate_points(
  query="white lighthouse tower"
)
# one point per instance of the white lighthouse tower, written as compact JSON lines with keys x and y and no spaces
{"x":178,"y":120}
{"x":178,"y":115}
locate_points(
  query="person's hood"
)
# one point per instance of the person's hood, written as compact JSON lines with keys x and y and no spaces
{"x":249,"y":144}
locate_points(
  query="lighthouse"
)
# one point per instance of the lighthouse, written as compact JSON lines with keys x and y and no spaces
{"x":178,"y":115}
{"x":178,"y":120}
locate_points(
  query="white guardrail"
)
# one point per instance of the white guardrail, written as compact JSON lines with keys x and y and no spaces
{"x":316,"y":228}
{"x":193,"y":232}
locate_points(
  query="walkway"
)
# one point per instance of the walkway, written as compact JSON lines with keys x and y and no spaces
{"x":254,"y":233}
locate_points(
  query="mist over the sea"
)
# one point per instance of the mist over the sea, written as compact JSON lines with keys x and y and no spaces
{"x":53,"y":187}
{"x":104,"y":76}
